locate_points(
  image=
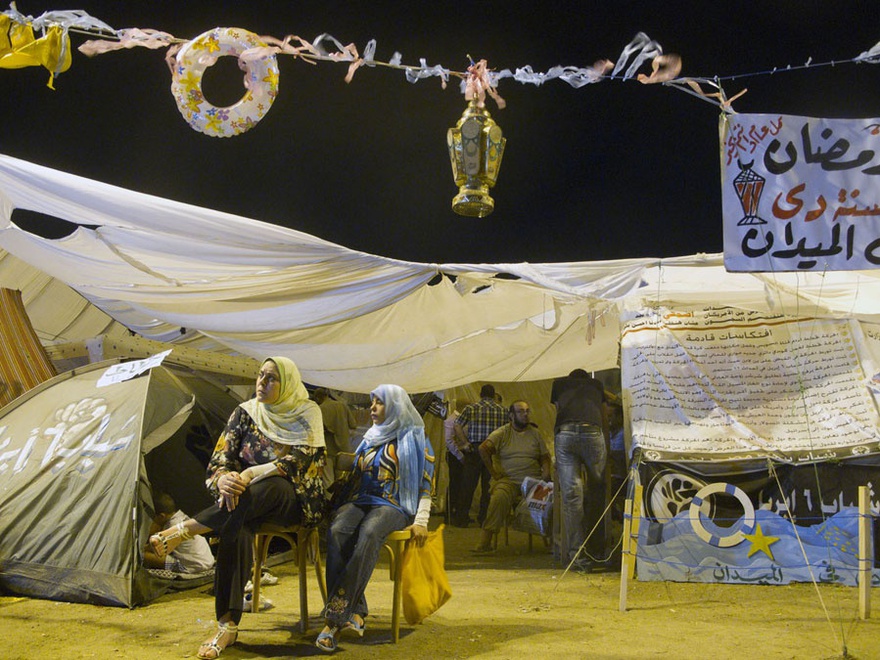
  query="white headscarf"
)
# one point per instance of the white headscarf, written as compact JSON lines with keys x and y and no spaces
{"x":403,"y":422}
{"x":293,"y":419}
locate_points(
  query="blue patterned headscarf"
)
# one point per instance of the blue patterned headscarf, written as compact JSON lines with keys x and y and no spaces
{"x":402,"y":422}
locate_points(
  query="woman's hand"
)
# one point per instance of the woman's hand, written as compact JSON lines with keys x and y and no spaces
{"x":231,"y":485}
{"x":419,"y":534}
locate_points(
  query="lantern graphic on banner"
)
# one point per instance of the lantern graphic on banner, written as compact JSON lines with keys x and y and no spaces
{"x":749,"y":186}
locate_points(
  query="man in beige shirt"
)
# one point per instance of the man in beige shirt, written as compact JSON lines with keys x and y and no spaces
{"x":511,"y":453}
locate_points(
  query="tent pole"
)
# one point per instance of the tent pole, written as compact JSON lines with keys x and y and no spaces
{"x":866,"y":553}
{"x":631,"y":513}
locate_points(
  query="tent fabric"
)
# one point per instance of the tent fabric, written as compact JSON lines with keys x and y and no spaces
{"x":23,"y":361}
{"x":351,"y":320}
{"x":57,"y":312}
{"x":79,"y":463}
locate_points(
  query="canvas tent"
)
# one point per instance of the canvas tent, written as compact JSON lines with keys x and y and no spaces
{"x":23,"y":361}
{"x":79,"y":461}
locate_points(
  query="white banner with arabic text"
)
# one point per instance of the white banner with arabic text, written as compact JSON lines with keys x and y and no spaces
{"x":800,"y":194}
{"x":729,"y":384}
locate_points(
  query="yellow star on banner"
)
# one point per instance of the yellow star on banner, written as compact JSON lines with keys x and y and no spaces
{"x":212,"y":44}
{"x":208,"y":42}
{"x":760,"y":542}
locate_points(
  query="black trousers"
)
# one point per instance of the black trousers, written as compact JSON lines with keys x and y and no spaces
{"x":474,"y":471}
{"x":456,"y":469}
{"x":269,"y":500}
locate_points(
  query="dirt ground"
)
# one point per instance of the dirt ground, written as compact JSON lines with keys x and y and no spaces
{"x":516,"y":604}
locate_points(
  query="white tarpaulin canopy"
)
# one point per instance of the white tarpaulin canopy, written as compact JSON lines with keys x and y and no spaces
{"x":348,"y":319}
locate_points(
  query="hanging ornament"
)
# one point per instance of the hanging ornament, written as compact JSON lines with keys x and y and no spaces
{"x":260,"y":81}
{"x":475,"y":147}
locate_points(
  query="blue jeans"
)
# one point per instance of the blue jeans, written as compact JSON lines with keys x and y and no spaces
{"x":353,"y":545}
{"x":575,"y":450}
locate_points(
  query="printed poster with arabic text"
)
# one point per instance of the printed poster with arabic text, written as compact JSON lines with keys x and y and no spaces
{"x":800,"y":194}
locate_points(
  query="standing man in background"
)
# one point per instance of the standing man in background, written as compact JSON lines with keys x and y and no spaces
{"x":471,"y":428}
{"x":581,"y":442}
{"x":339,"y":421}
{"x":455,"y":464}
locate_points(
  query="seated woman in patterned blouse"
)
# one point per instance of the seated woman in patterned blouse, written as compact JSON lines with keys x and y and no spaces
{"x":268,"y":466}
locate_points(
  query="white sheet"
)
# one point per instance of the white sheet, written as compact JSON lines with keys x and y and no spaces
{"x":351,"y":320}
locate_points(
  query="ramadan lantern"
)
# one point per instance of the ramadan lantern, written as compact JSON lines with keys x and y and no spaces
{"x":475,"y":150}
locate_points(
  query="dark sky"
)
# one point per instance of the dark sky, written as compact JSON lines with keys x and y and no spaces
{"x":608,"y":171}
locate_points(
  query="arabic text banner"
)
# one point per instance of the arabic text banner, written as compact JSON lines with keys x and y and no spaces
{"x":726,"y":384}
{"x":800,"y":193}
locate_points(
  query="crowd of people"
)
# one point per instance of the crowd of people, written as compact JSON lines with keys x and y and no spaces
{"x":277,"y":461}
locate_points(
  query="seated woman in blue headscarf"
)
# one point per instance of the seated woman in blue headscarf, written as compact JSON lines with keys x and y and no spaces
{"x":394,"y":472}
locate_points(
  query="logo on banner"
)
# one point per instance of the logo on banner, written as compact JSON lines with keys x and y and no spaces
{"x":749,"y":186}
{"x":670,"y":492}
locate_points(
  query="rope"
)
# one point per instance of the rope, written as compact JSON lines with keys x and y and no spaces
{"x":590,"y":535}
{"x":803,"y":550}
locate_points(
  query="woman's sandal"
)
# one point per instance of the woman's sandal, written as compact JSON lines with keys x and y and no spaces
{"x":163,"y":544}
{"x":355,"y":627}
{"x":212,"y":646}
{"x":327,"y":639}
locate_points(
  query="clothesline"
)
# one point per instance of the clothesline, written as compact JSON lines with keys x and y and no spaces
{"x":326,"y":48}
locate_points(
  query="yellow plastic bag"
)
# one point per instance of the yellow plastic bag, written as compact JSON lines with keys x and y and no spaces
{"x":424,"y":583}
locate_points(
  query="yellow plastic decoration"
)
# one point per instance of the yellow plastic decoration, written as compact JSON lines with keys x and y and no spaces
{"x":19,"y":48}
{"x":475,"y":150}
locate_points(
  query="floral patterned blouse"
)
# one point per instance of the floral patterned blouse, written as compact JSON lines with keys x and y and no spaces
{"x":242,"y":445}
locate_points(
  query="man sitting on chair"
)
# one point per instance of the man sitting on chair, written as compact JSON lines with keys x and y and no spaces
{"x":511,"y":453}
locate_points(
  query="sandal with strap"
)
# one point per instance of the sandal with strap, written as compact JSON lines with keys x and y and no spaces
{"x":356,"y":627}
{"x":327,"y":639}
{"x":164,"y":544}
{"x":212,"y":646}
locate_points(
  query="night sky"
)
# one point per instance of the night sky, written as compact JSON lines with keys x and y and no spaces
{"x":612,"y":170}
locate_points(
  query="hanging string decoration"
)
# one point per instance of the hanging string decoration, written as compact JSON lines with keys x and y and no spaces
{"x":18,"y":47}
{"x":260,"y":82}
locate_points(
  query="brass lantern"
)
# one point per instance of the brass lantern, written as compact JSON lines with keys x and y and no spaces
{"x":475,"y":150}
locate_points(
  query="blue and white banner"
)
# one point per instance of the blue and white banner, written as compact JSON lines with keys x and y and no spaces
{"x":720,"y":524}
{"x":800,"y":194}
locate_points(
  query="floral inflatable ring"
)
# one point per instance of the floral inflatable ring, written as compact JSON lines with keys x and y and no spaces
{"x":261,"y":82}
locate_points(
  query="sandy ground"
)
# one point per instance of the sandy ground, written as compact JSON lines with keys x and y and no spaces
{"x":516,"y":604}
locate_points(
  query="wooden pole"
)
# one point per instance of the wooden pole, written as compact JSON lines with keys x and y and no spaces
{"x":624,"y":555}
{"x":866,"y":553}
{"x":631,"y":513}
